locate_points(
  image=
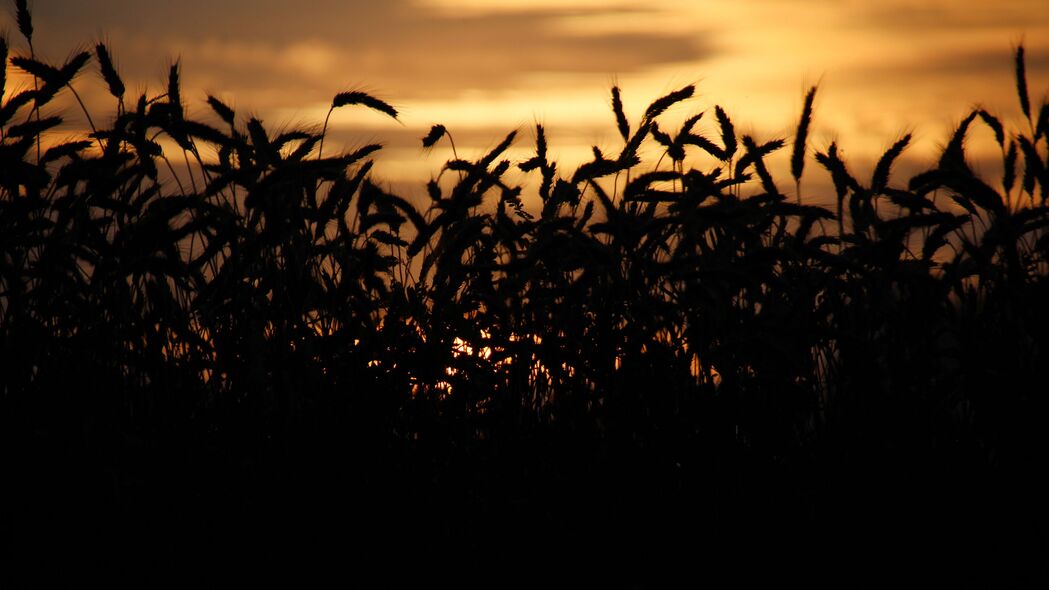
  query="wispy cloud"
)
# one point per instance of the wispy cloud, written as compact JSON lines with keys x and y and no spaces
{"x":486,"y":66}
{"x":417,"y":50}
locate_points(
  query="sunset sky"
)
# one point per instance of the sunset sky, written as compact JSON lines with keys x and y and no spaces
{"x":486,"y":67}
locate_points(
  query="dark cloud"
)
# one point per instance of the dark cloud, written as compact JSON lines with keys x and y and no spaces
{"x":269,"y":20}
{"x":908,"y":17}
{"x":396,"y":45}
{"x":981,"y":62}
{"x":960,"y":64}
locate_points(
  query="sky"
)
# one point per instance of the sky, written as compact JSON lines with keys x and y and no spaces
{"x":486,"y":67}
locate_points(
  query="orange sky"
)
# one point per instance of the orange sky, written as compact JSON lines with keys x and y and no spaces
{"x":485,"y":67}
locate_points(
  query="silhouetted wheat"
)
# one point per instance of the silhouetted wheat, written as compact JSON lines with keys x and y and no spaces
{"x":688,"y":341}
{"x":797,"y":158}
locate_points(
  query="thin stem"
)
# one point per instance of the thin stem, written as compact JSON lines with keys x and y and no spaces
{"x":324,"y":133}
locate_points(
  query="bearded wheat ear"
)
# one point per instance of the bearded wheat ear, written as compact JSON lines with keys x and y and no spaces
{"x":1021,"y":83}
{"x":25,"y":20}
{"x":797,"y":159}
{"x":109,"y":72}
{"x":617,"y":108}
{"x":355,"y":97}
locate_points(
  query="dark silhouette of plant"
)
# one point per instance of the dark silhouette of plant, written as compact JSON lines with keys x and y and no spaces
{"x":679,"y":338}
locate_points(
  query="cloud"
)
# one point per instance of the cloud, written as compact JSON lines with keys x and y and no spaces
{"x":939,"y":15}
{"x":964,"y":63}
{"x":406,"y":49}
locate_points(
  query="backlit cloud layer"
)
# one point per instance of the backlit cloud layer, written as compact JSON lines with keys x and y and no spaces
{"x":485,"y":68}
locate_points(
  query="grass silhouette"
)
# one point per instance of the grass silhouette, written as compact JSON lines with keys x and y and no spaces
{"x":273,"y":339}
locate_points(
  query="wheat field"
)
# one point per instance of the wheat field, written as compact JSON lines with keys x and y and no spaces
{"x":219,"y":340}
